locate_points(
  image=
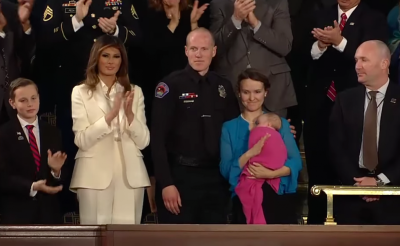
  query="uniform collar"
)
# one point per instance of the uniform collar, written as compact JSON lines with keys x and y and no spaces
{"x":194,"y":75}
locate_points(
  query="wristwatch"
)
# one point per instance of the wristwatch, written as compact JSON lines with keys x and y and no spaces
{"x":379,"y":182}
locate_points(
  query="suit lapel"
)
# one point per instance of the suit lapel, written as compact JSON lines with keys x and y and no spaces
{"x":358,"y":114}
{"x":352,"y":21}
{"x":22,"y":143}
{"x":388,"y":114}
{"x":333,"y":15}
{"x":262,"y":8}
{"x":100,"y":98}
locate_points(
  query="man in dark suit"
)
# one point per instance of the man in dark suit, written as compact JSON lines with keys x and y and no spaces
{"x":255,"y":34}
{"x":364,"y":136}
{"x":16,"y":48}
{"x":338,"y":31}
{"x":30,"y":174}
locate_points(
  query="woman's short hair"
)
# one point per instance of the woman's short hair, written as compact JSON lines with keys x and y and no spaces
{"x":159,"y":4}
{"x":92,"y":71}
{"x":253,"y":74}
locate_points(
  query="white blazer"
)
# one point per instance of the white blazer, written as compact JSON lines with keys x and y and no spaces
{"x":95,"y":140}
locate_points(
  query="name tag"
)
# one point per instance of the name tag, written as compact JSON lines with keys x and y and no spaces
{"x":70,"y":10}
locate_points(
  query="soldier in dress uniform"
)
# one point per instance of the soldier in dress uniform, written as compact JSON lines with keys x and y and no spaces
{"x":68,"y":31}
{"x":73,"y":27}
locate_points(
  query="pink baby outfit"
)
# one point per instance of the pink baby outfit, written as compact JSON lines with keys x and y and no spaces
{"x":273,"y":156}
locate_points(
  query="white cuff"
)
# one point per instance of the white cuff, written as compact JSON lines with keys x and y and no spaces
{"x":257,"y":27}
{"x":341,"y":46}
{"x":236,"y":23}
{"x":29,"y":31}
{"x":2,"y":34}
{"x":316,"y":53}
{"x":116,"y":31}
{"x":32,"y":193}
{"x":76,"y":25}
{"x":54,"y":176}
{"x":384,"y":179}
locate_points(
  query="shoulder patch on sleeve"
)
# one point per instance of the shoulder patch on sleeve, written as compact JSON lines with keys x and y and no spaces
{"x":162,"y":89}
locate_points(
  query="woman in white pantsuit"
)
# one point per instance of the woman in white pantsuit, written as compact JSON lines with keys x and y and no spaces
{"x":110,"y":130}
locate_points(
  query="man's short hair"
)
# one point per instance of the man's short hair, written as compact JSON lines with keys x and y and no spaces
{"x":18,"y":83}
{"x":201,"y":30}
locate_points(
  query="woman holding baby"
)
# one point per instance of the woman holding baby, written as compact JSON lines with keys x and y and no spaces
{"x":278,"y":205}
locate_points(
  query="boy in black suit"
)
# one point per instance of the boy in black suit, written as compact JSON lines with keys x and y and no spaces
{"x":30,"y":173}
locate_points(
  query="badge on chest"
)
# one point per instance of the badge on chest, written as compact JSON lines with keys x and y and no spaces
{"x":70,"y":7}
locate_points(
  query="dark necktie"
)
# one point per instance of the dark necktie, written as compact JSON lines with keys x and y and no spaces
{"x":370,"y":148}
{"x":3,"y":56}
{"x":207,"y":109}
{"x":34,"y":146}
{"x":332,"y":89}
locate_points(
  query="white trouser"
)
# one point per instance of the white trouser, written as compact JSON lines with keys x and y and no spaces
{"x":117,"y":204}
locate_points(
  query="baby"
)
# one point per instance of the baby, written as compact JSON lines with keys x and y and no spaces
{"x":272,"y":156}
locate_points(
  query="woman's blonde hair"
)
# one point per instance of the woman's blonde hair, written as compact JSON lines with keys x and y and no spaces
{"x":92,"y":71}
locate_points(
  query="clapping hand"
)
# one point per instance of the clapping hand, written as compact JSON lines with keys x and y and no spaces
{"x":197,"y":12}
{"x":41,"y":186}
{"x":82,"y":9}
{"x":56,"y":161}
{"x":115,"y":109}
{"x":24,"y":10}
{"x":252,"y":19}
{"x":329,"y":35}
{"x":242,"y":8}
{"x":128,"y":105}
{"x":109,"y":25}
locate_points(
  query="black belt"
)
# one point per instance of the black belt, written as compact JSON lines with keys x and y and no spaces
{"x":192,"y":162}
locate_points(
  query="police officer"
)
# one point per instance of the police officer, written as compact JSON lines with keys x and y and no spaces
{"x":68,"y":30}
{"x":189,"y":109}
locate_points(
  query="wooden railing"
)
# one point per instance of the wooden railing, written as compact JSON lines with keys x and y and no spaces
{"x":199,"y":235}
{"x":331,"y":190}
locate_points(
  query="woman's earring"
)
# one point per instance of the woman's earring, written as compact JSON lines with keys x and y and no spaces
{"x":265,"y":95}
{"x":239,"y":95}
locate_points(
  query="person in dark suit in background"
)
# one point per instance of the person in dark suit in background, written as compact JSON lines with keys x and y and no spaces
{"x":338,"y":31}
{"x":30,"y":162}
{"x":16,"y":48}
{"x":301,"y":14}
{"x":364,"y":139}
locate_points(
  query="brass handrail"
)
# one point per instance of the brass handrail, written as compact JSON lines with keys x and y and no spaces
{"x":331,"y":190}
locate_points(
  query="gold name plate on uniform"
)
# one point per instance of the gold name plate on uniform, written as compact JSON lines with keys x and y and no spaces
{"x":70,"y":10}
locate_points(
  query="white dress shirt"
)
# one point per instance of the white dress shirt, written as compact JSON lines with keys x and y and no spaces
{"x":379,"y":101}
{"x":316,"y":53}
{"x":78,"y":25}
{"x":36,"y":132}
